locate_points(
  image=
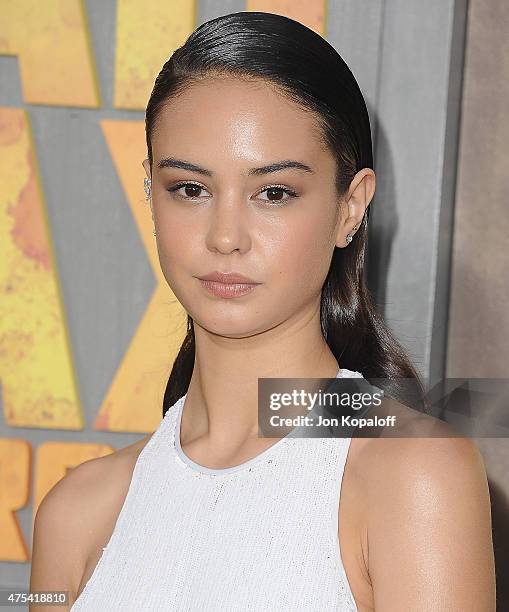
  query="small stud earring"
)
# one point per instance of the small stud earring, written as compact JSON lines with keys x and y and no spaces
{"x":154,"y":232}
{"x":349,"y":236}
{"x":147,"y":183}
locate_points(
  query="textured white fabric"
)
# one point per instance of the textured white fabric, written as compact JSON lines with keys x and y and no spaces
{"x":260,"y":536}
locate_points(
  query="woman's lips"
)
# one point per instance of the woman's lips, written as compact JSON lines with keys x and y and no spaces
{"x":227,"y":284}
{"x":227,"y":290}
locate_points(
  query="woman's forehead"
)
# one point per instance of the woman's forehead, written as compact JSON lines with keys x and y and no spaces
{"x":238,"y":119}
{"x":248,"y":105}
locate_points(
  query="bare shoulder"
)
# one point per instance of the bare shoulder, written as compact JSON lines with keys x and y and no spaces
{"x":76,"y":517}
{"x":427,"y":518}
{"x":422,"y":452}
{"x":427,"y":469}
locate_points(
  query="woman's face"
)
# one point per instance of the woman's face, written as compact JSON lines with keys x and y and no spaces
{"x":277,"y":228}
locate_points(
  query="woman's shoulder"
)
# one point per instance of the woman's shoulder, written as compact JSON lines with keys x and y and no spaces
{"x":77,"y":515}
{"x":404,"y":464}
{"x":422,"y":453}
{"x":86,"y":483}
{"x":424,"y":500}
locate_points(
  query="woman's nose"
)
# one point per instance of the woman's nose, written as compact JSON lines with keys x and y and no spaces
{"x":228,"y":229}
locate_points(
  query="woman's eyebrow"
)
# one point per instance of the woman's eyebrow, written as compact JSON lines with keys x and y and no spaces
{"x":172,"y":162}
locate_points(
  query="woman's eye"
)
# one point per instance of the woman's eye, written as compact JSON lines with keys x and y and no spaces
{"x":189,"y":190}
{"x":275,"y":192}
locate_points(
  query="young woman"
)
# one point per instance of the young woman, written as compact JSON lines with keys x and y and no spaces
{"x":259,"y":175}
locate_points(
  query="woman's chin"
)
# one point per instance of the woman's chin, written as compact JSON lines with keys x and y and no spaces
{"x":229,"y":327}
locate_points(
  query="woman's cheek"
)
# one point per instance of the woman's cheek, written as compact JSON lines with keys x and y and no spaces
{"x":175,"y":269}
{"x":309,"y":259}
{"x":177,"y":246}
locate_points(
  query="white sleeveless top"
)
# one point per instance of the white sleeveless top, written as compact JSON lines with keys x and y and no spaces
{"x":261,"y":536}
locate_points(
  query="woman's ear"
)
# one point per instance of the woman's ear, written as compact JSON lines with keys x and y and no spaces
{"x":359,"y":195}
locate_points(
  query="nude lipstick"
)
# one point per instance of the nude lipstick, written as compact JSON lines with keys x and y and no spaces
{"x":227,"y":284}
